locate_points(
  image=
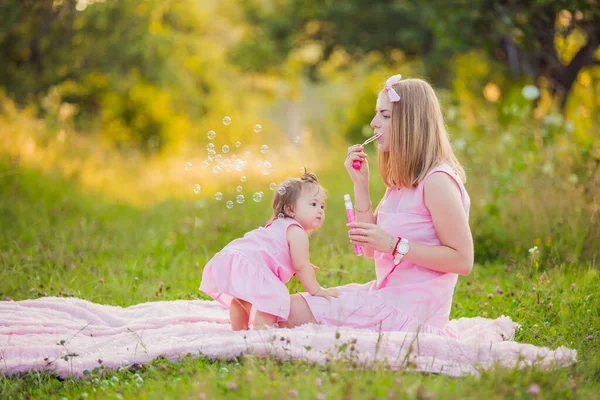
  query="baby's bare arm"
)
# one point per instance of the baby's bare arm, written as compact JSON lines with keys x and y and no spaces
{"x":299,"y":249}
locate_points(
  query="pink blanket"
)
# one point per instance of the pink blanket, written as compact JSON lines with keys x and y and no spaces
{"x":69,"y":335}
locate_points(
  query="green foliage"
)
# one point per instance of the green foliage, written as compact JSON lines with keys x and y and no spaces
{"x":133,"y":69}
{"x":521,"y":36}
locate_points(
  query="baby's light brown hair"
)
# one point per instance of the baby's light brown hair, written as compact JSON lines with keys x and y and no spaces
{"x":293,"y":190}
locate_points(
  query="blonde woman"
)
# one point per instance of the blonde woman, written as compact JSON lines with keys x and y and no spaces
{"x":419,"y":234}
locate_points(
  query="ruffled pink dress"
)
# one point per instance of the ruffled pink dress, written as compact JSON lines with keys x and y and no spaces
{"x":406,"y":297}
{"x":254,"y":268}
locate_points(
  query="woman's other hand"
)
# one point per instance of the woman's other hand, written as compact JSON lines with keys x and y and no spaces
{"x":356,"y":153}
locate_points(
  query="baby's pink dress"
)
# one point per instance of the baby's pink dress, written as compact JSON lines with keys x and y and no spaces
{"x":407,"y":297}
{"x":254,"y":268}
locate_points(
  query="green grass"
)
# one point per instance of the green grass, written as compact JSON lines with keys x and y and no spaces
{"x":59,"y":240}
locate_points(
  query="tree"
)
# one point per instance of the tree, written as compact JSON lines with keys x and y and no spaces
{"x":136,"y":68}
{"x":520,"y":34}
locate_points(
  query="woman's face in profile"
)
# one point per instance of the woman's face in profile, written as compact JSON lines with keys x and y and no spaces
{"x":382,"y":121}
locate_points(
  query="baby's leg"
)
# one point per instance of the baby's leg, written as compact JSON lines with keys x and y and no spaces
{"x":264,"y":320}
{"x":239,"y":314}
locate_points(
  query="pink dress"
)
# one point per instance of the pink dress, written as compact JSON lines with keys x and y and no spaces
{"x":407,"y":297}
{"x":254,"y":268}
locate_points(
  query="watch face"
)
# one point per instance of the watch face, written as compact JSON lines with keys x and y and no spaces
{"x":403,"y":248}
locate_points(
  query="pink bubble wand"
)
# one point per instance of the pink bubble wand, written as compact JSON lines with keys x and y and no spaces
{"x":351,"y":219}
{"x":356,"y":163}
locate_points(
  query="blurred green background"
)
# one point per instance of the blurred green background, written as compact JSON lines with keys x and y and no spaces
{"x":117,"y":95}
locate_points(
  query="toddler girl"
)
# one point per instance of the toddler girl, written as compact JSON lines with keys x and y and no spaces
{"x":252,"y":271}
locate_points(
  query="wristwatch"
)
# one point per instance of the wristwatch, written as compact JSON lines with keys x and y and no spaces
{"x":401,"y":249}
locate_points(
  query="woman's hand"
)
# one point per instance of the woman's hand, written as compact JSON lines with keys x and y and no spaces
{"x":326,"y":293}
{"x":371,"y":235}
{"x":361,"y":176}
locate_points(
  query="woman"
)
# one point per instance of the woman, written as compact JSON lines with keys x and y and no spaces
{"x":419,"y":234}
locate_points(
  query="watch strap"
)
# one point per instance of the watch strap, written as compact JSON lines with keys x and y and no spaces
{"x":396,"y":247}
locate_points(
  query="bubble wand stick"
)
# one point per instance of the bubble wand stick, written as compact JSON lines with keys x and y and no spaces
{"x":356,"y":163}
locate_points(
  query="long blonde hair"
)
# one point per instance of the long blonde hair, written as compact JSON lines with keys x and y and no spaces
{"x":418,"y":138}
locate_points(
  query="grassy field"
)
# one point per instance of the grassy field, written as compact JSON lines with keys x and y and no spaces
{"x":59,"y":240}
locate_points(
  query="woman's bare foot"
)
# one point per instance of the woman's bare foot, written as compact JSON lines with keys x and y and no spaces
{"x":264,"y":321}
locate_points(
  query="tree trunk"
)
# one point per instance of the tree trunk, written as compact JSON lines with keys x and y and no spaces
{"x":565,"y":78}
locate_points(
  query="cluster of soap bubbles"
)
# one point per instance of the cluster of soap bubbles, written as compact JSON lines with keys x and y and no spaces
{"x":221,"y":162}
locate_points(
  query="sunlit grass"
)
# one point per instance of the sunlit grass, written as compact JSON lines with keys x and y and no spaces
{"x":61,"y":240}
{"x":81,"y":219}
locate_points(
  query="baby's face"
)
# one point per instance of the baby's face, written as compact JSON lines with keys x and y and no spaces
{"x":309,"y":209}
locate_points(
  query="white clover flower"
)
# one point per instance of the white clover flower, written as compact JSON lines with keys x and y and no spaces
{"x":573,"y":179}
{"x":569,"y":126}
{"x":530,"y":92}
{"x":553,"y":119}
{"x":534,"y":249}
{"x":547,"y":168}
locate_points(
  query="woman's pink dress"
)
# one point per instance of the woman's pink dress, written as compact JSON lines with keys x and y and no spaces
{"x":407,"y":297}
{"x":254,"y":268}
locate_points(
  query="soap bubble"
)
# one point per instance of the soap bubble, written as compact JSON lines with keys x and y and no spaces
{"x":266,"y":168}
{"x":239,"y":189}
{"x":217,"y":169}
{"x":187,"y":166}
{"x":210,"y":146}
{"x":205,"y":164}
{"x":226,"y":120}
{"x":219,"y":196}
{"x":223,"y":371}
{"x":281,"y":190}
{"x":272,"y":186}
{"x":257,"y":197}
{"x":229,"y":204}
{"x":225,"y":149}
{"x":246,"y":154}
{"x":280,"y":216}
{"x":264,"y":148}
{"x":243,"y":178}
{"x":257,"y":128}
{"x":197,"y":188}
{"x":238,"y":144}
{"x":218,"y":157}
{"x":239,"y":165}
{"x":297,"y":140}
{"x":211,"y":135}
{"x":240,"y":198}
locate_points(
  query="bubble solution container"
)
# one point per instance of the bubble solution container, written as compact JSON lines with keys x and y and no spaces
{"x":351,"y":219}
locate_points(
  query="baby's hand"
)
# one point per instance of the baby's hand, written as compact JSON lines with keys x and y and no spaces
{"x":326,"y":293}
